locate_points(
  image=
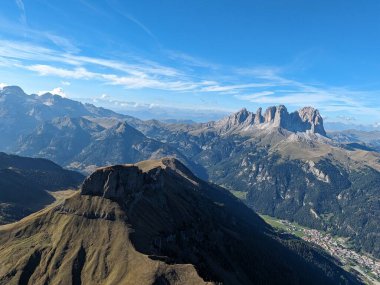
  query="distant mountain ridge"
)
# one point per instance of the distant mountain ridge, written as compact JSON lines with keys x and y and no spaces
{"x":369,"y":139}
{"x":83,"y":144}
{"x":21,"y":113}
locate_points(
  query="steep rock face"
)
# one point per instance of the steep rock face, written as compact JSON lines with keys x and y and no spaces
{"x":269,"y":114}
{"x":118,"y":182}
{"x":242,"y":118}
{"x":154,"y":222}
{"x":306,"y":119}
{"x":258,"y":117}
{"x":312,"y":120}
{"x":281,"y":118}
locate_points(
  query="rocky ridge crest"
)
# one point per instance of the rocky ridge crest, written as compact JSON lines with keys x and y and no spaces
{"x":306,"y":119}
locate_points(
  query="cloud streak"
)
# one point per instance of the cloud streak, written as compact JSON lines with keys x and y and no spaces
{"x":258,"y":86}
{"x":21,"y":7}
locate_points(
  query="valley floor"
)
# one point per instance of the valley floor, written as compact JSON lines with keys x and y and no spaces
{"x":364,"y":265}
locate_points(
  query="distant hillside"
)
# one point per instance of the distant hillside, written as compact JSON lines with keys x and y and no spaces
{"x":338,"y":126}
{"x":370,"y":139}
{"x":156,"y":223}
{"x":87,"y":143}
{"x":24,"y":183}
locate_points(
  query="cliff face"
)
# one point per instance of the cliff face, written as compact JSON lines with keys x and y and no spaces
{"x":312,"y":117}
{"x":306,"y":119}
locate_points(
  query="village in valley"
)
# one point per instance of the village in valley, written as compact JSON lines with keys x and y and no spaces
{"x":364,"y":265}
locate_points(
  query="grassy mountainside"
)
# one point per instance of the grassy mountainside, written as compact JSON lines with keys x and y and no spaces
{"x":156,"y":223}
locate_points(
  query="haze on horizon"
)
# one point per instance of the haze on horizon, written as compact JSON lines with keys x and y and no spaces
{"x":197,"y":60}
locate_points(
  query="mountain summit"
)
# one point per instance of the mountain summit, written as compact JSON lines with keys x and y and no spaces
{"x":306,"y":119}
{"x":154,"y":222}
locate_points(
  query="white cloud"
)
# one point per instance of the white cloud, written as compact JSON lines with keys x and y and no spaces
{"x":133,"y":82}
{"x":221,"y":88}
{"x":66,"y":83}
{"x":61,"y":42}
{"x":55,"y":91}
{"x":47,"y":70}
{"x":129,"y":82}
{"x":2,"y":85}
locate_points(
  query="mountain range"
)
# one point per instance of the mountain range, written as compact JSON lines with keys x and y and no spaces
{"x":155,"y":222}
{"x":21,"y":113}
{"x":279,"y":163}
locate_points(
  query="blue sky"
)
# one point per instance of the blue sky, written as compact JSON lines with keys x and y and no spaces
{"x":197,"y":59}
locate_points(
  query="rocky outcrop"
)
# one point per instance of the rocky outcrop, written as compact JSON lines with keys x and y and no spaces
{"x":241,"y":118}
{"x":311,"y":117}
{"x":306,"y":119}
{"x":120,"y":181}
{"x":258,"y":117}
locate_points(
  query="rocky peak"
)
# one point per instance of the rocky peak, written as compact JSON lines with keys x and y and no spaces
{"x":236,"y":120}
{"x":306,"y":119}
{"x":313,"y":118}
{"x":269,"y":114}
{"x":123,"y":128}
{"x":239,"y":117}
{"x":118,"y":182}
{"x":12,"y":90}
{"x":258,"y":117}
{"x":281,"y":117}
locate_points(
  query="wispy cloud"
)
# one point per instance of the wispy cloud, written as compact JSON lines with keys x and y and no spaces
{"x":224,"y":88}
{"x":129,"y":82}
{"x":190,"y":60}
{"x":259,"y":86}
{"x":120,"y":10}
{"x":21,"y":6}
{"x":138,"y":23}
{"x":66,"y":83}
{"x":145,"y":74}
{"x":36,"y":35}
{"x":47,"y":70}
